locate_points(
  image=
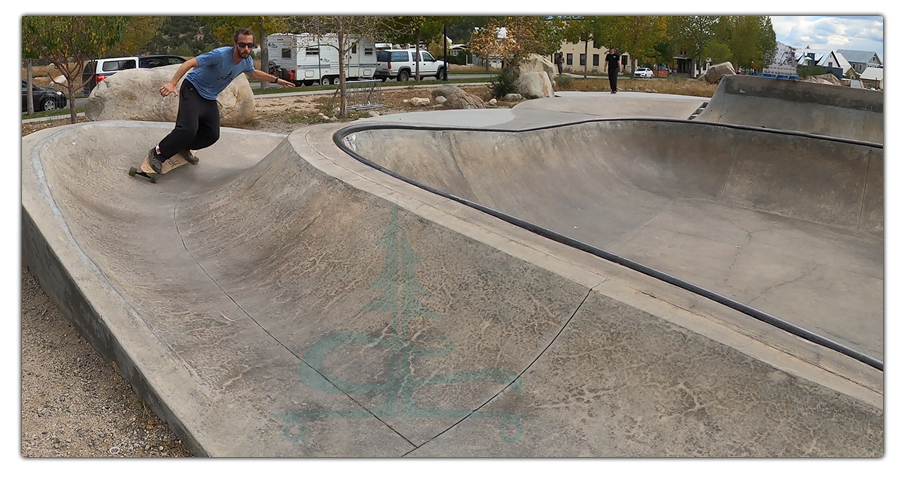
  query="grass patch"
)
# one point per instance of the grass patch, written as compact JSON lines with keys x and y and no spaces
{"x":56,"y":112}
{"x":564,"y":82}
{"x":675,"y":86}
{"x":472,"y":69}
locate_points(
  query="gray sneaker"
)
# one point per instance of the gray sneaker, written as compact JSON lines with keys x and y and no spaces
{"x":155,"y":164}
{"x":193,"y":160}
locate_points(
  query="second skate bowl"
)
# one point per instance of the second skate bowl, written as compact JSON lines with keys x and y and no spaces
{"x":789,"y":224}
{"x":830,"y":110}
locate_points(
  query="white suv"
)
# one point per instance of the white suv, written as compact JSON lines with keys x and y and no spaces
{"x":401,"y":64}
{"x":95,"y":71}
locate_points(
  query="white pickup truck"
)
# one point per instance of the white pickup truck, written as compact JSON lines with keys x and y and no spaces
{"x":401,"y":64}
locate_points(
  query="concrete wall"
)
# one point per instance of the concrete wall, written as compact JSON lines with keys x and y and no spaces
{"x":834,"y":111}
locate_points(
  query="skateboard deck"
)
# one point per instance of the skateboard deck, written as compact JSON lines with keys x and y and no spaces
{"x":167,"y":166}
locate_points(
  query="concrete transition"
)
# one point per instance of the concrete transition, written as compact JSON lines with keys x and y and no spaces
{"x":294,"y":296}
{"x":834,"y":111}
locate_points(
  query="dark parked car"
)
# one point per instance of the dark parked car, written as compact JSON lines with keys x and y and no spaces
{"x":44,"y":99}
{"x":95,"y":71}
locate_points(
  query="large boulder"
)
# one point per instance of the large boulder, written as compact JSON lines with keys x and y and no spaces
{"x":535,"y":62}
{"x":535,"y":84}
{"x":134,"y":95}
{"x":456,"y":98}
{"x":445,"y":91}
{"x":716,"y":71}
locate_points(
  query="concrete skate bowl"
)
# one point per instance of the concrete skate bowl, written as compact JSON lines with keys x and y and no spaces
{"x":830,"y":110}
{"x":282,"y":298}
{"x":786,"y":226}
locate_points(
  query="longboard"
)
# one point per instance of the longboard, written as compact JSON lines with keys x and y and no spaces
{"x":167,"y":166}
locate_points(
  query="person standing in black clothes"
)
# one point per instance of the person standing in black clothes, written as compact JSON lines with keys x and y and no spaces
{"x":559,"y":62}
{"x":614,"y":65}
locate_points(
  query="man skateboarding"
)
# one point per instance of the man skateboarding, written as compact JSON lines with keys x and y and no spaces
{"x":197,"y":124}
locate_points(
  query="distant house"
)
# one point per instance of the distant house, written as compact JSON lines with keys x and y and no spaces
{"x":837,"y":64}
{"x":575,"y":59}
{"x":861,"y":59}
{"x":807,"y":57}
{"x":783,"y":64}
{"x":873,"y":78}
{"x":687,"y":65}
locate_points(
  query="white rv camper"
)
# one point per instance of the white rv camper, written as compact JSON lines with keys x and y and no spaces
{"x":309,"y":59}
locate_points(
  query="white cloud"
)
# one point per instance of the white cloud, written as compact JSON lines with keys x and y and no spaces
{"x":831,"y":32}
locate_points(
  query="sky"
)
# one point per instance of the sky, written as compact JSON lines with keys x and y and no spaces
{"x":825,"y":33}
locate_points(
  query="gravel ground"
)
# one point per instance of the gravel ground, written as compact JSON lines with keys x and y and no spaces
{"x":74,"y":404}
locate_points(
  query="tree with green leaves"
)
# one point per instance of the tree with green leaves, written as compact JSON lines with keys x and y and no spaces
{"x":638,"y":35}
{"x":719,"y":52}
{"x":461,"y":28}
{"x":29,"y":53}
{"x":587,"y":29}
{"x":752,"y":41}
{"x":185,"y":36}
{"x":693,"y":34}
{"x":664,"y":51}
{"x":139,"y":30}
{"x":415,"y":30}
{"x":70,"y":41}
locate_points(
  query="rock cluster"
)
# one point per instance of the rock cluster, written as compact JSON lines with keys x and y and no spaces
{"x":456,"y":98}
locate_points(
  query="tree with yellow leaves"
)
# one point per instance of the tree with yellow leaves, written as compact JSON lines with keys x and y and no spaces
{"x":513,"y":37}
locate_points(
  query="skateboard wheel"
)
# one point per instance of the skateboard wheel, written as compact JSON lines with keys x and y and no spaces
{"x":132,"y":171}
{"x":153,"y":178}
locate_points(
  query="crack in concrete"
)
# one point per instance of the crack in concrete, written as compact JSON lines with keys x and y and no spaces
{"x":519,"y":376}
{"x":803,"y":274}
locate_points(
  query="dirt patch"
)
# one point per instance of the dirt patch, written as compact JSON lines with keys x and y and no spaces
{"x":74,"y":404}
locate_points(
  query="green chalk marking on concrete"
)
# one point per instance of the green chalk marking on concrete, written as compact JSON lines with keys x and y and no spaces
{"x":400,"y":290}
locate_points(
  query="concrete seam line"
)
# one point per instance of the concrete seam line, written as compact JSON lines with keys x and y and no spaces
{"x":862,"y":201}
{"x":248,"y":315}
{"x":519,"y":376}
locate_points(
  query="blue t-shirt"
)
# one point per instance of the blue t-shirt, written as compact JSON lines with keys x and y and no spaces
{"x":216,"y":70}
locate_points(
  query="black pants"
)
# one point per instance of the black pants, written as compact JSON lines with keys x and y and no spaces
{"x":613,"y":76}
{"x":197,"y":125}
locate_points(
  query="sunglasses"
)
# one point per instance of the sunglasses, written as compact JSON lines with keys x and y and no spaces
{"x":244,"y":45}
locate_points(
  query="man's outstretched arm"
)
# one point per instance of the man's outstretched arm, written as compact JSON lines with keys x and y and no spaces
{"x":265,"y":77}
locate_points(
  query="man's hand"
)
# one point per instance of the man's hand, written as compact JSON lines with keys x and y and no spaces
{"x":167,"y":89}
{"x":265,"y":77}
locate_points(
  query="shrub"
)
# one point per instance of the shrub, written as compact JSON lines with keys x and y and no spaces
{"x":505,"y":83}
{"x":806,"y":71}
{"x":564,"y":82}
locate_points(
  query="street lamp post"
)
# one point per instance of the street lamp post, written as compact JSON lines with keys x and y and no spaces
{"x":446,"y":64}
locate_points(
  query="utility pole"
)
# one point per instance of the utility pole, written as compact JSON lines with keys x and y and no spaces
{"x":446,"y":64}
